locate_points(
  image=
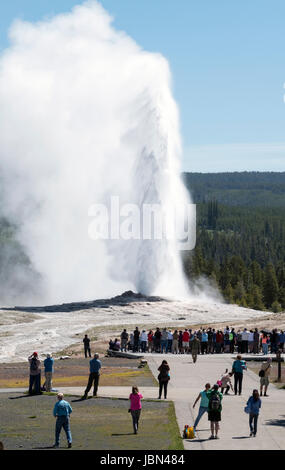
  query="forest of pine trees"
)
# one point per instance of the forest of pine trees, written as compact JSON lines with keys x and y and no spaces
{"x":240,"y":247}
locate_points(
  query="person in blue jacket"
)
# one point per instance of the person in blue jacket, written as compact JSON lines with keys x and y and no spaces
{"x":48,"y":365}
{"x":254,"y":405}
{"x":94,"y":375}
{"x":61,"y":412}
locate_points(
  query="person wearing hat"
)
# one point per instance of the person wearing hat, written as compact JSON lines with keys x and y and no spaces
{"x":61,"y":412}
{"x":48,"y":365}
{"x":35,"y":374}
{"x":94,"y":375}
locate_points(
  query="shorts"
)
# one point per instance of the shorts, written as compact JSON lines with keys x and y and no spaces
{"x":264,"y":381}
{"x":214,"y":415}
{"x":185,"y":344}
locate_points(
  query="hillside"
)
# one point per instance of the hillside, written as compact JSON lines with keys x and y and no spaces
{"x":240,"y":236}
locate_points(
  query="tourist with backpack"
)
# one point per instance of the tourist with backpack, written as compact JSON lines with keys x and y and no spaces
{"x":252,"y":407}
{"x":214,"y":410}
{"x":264,"y":374}
{"x":35,"y":374}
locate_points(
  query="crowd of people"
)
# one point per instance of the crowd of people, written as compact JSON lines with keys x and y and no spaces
{"x":202,"y":341}
{"x":211,"y":397}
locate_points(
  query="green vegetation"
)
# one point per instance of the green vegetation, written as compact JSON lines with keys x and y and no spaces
{"x":240,"y":236}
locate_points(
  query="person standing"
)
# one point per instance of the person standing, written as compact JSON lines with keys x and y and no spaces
{"x":204,"y":342}
{"x":264,"y":343}
{"x":86,"y":342}
{"x":237,"y":370}
{"x":157,"y":339}
{"x":175,"y":348}
{"x":195,"y":348}
{"x":136,"y":339}
{"x":169,"y":341}
{"x":48,"y":365}
{"x":203,"y":404}
{"x":164,"y":340}
{"x":124,"y":340}
{"x":255,"y":341}
{"x":244,"y":341}
{"x":214,"y":410}
{"x":94,"y":375}
{"x":150,"y":346}
{"x":163,"y":378}
{"x":185,"y":341}
{"x":135,"y":407}
{"x":264,"y":374}
{"x":143,"y":339}
{"x":254,"y":405}
{"x":61,"y":412}
{"x":35,"y":374}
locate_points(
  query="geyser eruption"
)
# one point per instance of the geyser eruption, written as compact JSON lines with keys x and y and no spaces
{"x":86,"y":114}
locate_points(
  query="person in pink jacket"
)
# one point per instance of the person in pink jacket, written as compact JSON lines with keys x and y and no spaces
{"x":135,"y":407}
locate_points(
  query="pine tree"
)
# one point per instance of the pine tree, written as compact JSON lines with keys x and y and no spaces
{"x":270,"y":286}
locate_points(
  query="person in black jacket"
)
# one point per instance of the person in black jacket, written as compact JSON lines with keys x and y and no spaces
{"x":86,"y":342}
{"x":163,"y":378}
{"x":136,"y":339}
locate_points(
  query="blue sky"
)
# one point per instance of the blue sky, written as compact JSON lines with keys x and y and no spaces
{"x":228,"y":66}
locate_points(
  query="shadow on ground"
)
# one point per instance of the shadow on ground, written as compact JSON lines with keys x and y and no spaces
{"x":276,"y":422}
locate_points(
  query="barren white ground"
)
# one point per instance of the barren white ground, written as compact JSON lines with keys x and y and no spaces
{"x":22,"y":332}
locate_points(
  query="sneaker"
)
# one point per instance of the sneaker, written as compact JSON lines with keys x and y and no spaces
{"x":254,"y":435}
{"x":217,"y":437}
{"x":212,"y":437}
{"x":55,"y":446}
{"x":251,"y":434}
{"x":265,"y":395}
{"x":69,"y":445}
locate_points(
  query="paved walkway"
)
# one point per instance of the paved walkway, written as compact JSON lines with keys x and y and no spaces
{"x":187,"y":380}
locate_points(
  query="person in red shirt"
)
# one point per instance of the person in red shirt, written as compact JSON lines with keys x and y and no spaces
{"x":219,"y":341}
{"x":150,"y":341}
{"x":185,"y":341}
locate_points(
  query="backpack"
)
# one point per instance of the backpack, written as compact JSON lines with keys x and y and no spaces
{"x":214,"y":402}
{"x":34,"y":364}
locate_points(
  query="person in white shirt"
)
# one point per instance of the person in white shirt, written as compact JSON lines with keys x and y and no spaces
{"x":244,"y":341}
{"x":170,"y":340}
{"x":250,"y":341}
{"x":143,"y":339}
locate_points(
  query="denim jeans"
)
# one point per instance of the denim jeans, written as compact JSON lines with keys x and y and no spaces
{"x":164,"y":345}
{"x":136,"y":416}
{"x":253,"y":418}
{"x":62,"y":422}
{"x":201,"y":411}
{"x":265,"y":348}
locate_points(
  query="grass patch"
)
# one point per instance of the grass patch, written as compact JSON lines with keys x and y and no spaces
{"x":101,"y":424}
